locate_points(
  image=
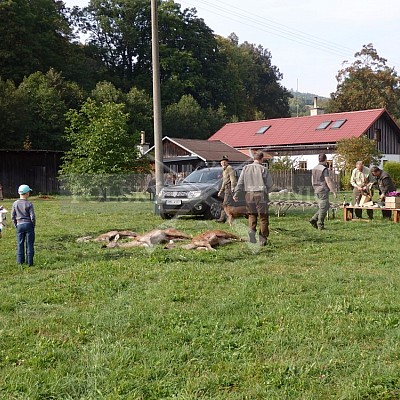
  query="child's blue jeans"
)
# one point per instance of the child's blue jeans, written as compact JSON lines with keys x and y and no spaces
{"x":25,"y":236}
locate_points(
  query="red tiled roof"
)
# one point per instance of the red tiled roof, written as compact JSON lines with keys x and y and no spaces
{"x":297,"y":130}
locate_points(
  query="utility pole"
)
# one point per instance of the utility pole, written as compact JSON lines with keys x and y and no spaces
{"x":158,"y":153}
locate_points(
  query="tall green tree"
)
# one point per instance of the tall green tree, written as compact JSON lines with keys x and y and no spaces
{"x":191,"y":63}
{"x":46,"y":98}
{"x":102,"y":153}
{"x":106,"y":92}
{"x":367,"y":83}
{"x":354,"y":149}
{"x":11,"y":117}
{"x":185,"y":119}
{"x":139,"y":105}
{"x":189,"y":57}
{"x":35,"y":35}
{"x":120,"y":31}
{"x":254,"y":91}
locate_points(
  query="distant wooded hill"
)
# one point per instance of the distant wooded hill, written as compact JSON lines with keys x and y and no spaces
{"x":301,"y":103}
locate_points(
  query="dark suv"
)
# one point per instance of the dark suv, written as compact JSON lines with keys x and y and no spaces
{"x":197,"y":194}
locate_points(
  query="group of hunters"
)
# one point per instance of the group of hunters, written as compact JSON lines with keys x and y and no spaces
{"x":255,"y":183}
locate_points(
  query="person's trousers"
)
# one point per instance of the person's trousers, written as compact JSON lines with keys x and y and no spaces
{"x":386,"y":214}
{"x":228,"y":196}
{"x":25,"y":243}
{"x":257,"y":207}
{"x":357,"y":194}
{"x":323,"y":208}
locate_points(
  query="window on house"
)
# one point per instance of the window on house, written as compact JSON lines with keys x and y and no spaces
{"x":338,"y":123}
{"x":323,"y":125}
{"x":302,"y":165}
{"x":378,"y":135}
{"x":263,"y":129}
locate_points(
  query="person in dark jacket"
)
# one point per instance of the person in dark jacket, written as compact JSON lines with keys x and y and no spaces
{"x":322,"y":184}
{"x":385,"y":185}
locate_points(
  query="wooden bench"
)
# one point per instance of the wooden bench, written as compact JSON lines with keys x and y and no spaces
{"x":348,"y":212}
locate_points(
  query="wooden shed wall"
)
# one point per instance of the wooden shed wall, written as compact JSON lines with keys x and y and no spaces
{"x":389,"y":142}
{"x":38,"y":169}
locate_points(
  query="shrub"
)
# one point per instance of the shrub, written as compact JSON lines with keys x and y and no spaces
{"x":393,"y":169}
{"x":345,"y":180}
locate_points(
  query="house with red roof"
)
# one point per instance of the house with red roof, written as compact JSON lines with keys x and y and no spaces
{"x":185,"y":155}
{"x":303,"y":138}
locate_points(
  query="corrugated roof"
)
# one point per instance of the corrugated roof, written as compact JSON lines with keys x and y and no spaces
{"x":297,"y":130}
{"x":209,"y":151}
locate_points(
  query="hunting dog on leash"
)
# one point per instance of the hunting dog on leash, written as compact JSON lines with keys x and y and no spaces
{"x":235,"y":210}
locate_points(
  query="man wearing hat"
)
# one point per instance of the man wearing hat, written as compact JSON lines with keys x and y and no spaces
{"x":23,"y":217}
{"x":229,"y":181}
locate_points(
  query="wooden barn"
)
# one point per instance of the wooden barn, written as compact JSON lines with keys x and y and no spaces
{"x":36,"y":168}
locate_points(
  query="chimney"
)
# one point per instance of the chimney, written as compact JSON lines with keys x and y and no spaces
{"x":143,"y":147}
{"x":316,"y":110}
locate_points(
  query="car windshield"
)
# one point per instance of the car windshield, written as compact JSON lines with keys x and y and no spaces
{"x":204,"y":175}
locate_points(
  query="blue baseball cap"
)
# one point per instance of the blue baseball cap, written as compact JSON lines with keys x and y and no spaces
{"x":24,"y":189}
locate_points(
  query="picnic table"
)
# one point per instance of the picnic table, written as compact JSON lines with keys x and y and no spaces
{"x":348,"y":211}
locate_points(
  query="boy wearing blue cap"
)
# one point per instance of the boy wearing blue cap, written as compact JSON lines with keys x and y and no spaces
{"x":23,"y":217}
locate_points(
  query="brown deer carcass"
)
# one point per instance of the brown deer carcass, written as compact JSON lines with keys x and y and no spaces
{"x":154,"y":237}
{"x":108,"y":236}
{"x":210,"y":239}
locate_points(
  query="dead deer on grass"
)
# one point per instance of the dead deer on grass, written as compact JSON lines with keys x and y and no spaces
{"x":210,"y":239}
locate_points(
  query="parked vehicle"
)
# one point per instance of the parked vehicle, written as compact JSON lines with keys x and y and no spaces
{"x":197,"y":194}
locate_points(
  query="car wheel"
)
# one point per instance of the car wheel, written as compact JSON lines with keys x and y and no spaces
{"x":164,"y":215}
{"x":214,"y":210}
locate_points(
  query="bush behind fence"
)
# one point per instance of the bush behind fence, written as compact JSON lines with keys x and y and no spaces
{"x":115,"y":185}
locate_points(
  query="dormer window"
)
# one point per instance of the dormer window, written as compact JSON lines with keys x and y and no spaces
{"x":323,"y":125}
{"x":337,"y":124}
{"x":263,"y":129}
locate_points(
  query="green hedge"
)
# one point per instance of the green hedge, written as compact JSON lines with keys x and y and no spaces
{"x":393,"y":169}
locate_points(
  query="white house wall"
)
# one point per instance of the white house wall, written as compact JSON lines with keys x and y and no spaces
{"x":311,"y":159}
{"x":390,"y":157}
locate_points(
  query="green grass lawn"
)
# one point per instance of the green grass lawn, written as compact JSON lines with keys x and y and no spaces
{"x":314,"y":315}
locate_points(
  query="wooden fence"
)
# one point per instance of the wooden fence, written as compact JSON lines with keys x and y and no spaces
{"x":298,"y":181}
{"x":39,"y":169}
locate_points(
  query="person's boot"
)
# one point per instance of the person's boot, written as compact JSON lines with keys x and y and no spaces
{"x":262,"y":240}
{"x":252,"y":237}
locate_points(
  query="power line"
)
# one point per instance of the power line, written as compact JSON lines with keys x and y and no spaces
{"x":265,"y":25}
{"x":245,"y":17}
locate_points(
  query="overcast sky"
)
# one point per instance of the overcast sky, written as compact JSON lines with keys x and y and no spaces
{"x":308,"y":39}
